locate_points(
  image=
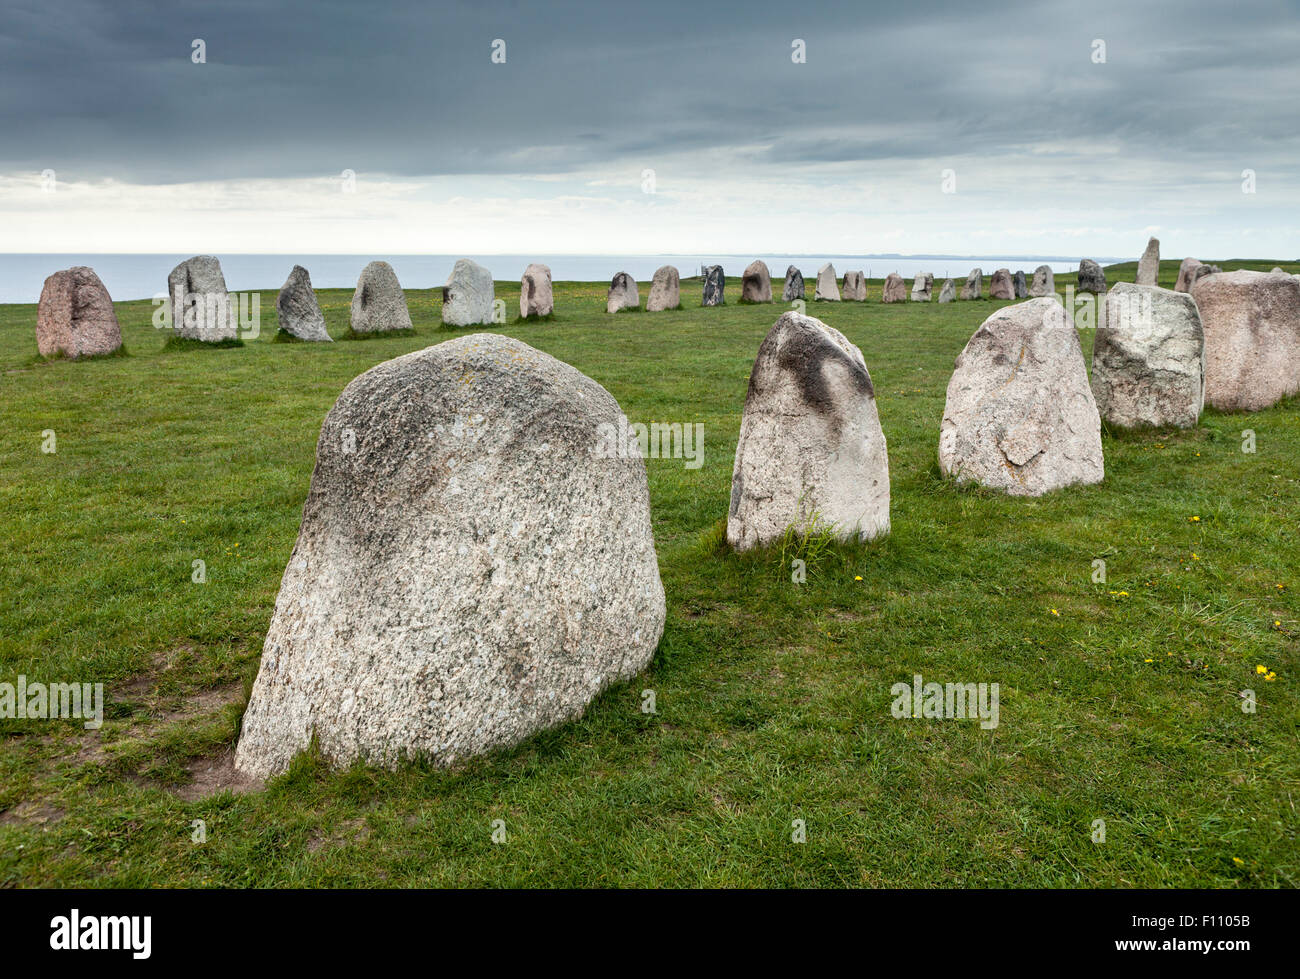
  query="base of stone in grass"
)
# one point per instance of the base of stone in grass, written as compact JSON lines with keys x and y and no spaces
{"x":189,"y":343}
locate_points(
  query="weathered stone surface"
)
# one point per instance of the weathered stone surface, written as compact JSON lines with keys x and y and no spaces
{"x":75,"y":317}
{"x":201,"y":307}
{"x":1020,"y":416}
{"x":1001,"y":285}
{"x":974,"y":287}
{"x":1252,"y":337}
{"x":378,"y":304}
{"x":827,"y":286}
{"x":468,"y":296}
{"x":756,"y":283}
{"x":1148,"y":358}
{"x":1148,"y":273}
{"x":297,"y":309}
{"x":793,"y":288}
{"x":1044,"y":283}
{"x":894,"y":289}
{"x":855,"y":287}
{"x":474,"y":564}
{"x":1022,"y":287}
{"x":811,"y":451}
{"x":948,"y":292}
{"x":922,"y":287}
{"x":1184,"y":283}
{"x":536,"y":298}
{"x":715,"y":286}
{"x":665,"y":290}
{"x":1091,"y":278}
{"x":624,"y":293}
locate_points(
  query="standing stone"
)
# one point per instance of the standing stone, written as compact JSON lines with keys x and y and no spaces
{"x":200,"y":304}
{"x":378,"y":304}
{"x":827,"y":286}
{"x":297,"y":310}
{"x":793,"y":288}
{"x":536,"y":298}
{"x":1148,"y":272}
{"x":665,"y":290}
{"x":922,"y":287}
{"x":1044,"y":283}
{"x":1252,"y":337}
{"x":1184,"y":283}
{"x":1092,"y":278}
{"x":1001,"y":285}
{"x":811,"y":453}
{"x":75,"y":317}
{"x":624,"y":293}
{"x":855,"y":286}
{"x":1022,"y":287}
{"x":1148,"y":358}
{"x":469,"y":294}
{"x":894,"y":289}
{"x":948,"y":292}
{"x":974,"y":287}
{"x":475,"y":564}
{"x":715,"y":284}
{"x":1020,"y":416}
{"x":756,"y":283}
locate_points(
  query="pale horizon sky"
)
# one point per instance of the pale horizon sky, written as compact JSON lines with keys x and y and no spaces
{"x":1051,"y":152}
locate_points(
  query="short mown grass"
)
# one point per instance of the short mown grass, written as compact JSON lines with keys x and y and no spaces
{"x":1120,"y":700}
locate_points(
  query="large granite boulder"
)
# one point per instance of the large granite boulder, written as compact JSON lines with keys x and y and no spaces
{"x":536,"y":298}
{"x":378,"y":304}
{"x":1001,"y":285}
{"x":475,"y":564}
{"x":793,"y":288}
{"x":1148,"y":358}
{"x":756,"y":283}
{"x":297,"y":309}
{"x":827,"y":286}
{"x":894,"y":289}
{"x":715,"y":286}
{"x":665,"y":290}
{"x":201,"y":307}
{"x":75,"y":317}
{"x":811,"y":452}
{"x":1252,"y":337}
{"x":1148,"y":273}
{"x":1020,"y":416}
{"x":1022,"y":287}
{"x":1091,"y":278}
{"x":922,"y":287}
{"x":974,"y":287}
{"x":469,"y":294}
{"x":624,"y":293}
{"x":855,"y":287}
{"x":948,"y":291}
{"x":1044,"y":283}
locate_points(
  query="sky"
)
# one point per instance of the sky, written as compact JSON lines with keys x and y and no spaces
{"x":644,"y":128}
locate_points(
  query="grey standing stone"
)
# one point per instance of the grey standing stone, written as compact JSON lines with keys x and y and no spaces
{"x":624,"y":293}
{"x":922,"y":287}
{"x":378,"y":303}
{"x":1148,"y":273}
{"x":665,"y":290}
{"x":75,"y":317}
{"x":811,"y":453}
{"x":297,"y":309}
{"x":974,"y":287}
{"x":201,"y":307}
{"x":855,"y":287}
{"x":1184,"y":283}
{"x":1020,"y":416}
{"x":715,"y":284}
{"x":1001,"y":285}
{"x":948,"y":291}
{"x":536,"y":298}
{"x":1022,"y":287}
{"x":1092,"y":277}
{"x":1252,"y":337}
{"x":469,"y":295}
{"x":894,"y":290}
{"x":827,"y":287}
{"x":475,"y":564}
{"x":1148,"y":358}
{"x":1044,"y":283}
{"x":793,"y":288}
{"x":756,"y":283}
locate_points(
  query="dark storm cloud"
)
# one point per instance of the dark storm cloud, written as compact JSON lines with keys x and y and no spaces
{"x":101,"y":90}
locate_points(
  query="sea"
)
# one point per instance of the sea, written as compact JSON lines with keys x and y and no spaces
{"x":136,"y":276}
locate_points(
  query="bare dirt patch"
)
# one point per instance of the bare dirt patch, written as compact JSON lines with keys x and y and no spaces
{"x":216,"y":774}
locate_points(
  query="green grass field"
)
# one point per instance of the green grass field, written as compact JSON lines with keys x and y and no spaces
{"x":1119,"y":700}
